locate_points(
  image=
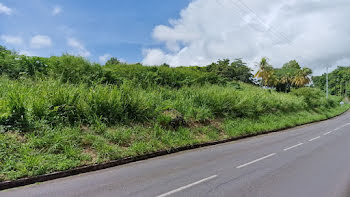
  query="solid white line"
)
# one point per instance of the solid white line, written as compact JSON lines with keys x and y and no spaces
{"x":265,"y":157}
{"x":329,"y":132}
{"x":293,"y":146}
{"x":187,"y":186}
{"x":314,"y":138}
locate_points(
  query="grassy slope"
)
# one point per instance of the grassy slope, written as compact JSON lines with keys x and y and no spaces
{"x":73,"y":125}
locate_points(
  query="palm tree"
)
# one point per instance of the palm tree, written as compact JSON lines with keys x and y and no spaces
{"x":302,"y":78}
{"x":265,"y":71}
{"x":271,"y":79}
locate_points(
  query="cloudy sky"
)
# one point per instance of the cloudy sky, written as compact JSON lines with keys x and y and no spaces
{"x":182,"y":32}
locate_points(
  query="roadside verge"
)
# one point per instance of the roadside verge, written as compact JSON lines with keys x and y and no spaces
{"x":95,"y":167}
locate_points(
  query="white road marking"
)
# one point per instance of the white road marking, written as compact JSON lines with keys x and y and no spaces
{"x":244,"y":165}
{"x":293,"y":146}
{"x":187,"y":186}
{"x":341,"y":126}
{"x":314,"y":138}
{"x":265,"y":157}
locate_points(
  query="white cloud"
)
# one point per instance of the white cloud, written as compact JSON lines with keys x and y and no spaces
{"x":154,"y":57}
{"x":104,"y":58}
{"x":56,"y":10}
{"x":12,"y":40}
{"x":40,"y":41}
{"x":315,"y":33}
{"x":122,"y":60}
{"x":5,"y":10}
{"x":79,"y":48}
{"x":27,"y":53}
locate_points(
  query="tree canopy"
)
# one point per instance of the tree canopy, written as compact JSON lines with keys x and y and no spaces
{"x":236,"y":70}
{"x":339,"y":81}
{"x":113,"y":61}
{"x":74,"y":69}
{"x":283,"y":79}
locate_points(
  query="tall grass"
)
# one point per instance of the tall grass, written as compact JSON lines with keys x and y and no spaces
{"x":25,"y":102}
{"x":49,"y":125}
{"x":62,"y":112}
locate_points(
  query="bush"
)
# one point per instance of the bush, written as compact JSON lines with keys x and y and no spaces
{"x":315,"y":98}
{"x":162,"y":75}
{"x":73,"y":69}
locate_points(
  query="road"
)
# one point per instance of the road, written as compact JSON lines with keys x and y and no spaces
{"x":311,"y":160}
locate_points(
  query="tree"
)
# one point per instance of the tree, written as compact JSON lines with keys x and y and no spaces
{"x":237,"y":70}
{"x":288,"y":72}
{"x":265,"y":72}
{"x":113,"y":61}
{"x":241,"y":71}
{"x":2,"y":48}
{"x":291,"y":66}
{"x":292,"y":75}
{"x":339,"y":81}
{"x":302,"y":78}
{"x":9,"y":64}
{"x":165,"y":65}
{"x":283,"y":79}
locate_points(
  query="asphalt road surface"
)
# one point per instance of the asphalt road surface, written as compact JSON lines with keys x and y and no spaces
{"x":307,"y":161}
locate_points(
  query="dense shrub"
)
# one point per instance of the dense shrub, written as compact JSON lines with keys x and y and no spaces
{"x":72,"y":69}
{"x":162,"y":75}
{"x":315,"y":98}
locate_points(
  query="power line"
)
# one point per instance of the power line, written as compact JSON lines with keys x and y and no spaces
{"x":276,"y":38}
{"x":261,"y":21}
{"x":270,"y":29}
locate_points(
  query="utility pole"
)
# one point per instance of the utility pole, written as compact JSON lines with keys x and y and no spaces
{"x":346,"y":88}
{"x":327,"y":83}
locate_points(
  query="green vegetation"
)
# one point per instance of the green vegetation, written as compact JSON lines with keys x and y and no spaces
{"x":291,"y":75}
{"x":58,"y":113}
{"x":339,"y":81}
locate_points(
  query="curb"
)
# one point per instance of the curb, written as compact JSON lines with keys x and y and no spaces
{"x":84,"y":169}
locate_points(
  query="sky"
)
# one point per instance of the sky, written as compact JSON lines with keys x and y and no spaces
{"x":316,"y":33}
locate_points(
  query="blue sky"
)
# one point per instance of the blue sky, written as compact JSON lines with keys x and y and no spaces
{"x":119,"y":28}
{"x":182,"y":32}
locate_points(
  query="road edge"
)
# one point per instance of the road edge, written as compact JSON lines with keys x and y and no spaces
{"x":90,"y":168}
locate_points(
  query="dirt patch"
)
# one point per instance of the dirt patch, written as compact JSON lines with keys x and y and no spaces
{"x":92,"y":154}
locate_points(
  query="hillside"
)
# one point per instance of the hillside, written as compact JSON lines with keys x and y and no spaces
{"x":63,"y":112}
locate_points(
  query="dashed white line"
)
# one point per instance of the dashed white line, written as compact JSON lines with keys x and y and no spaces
{"x":341,"y":126}
{"x":310,"y":140}
{"x":346,"y":124}
{"x":244,"y":165}
{"x":187,"y":186}
{"x":293,"y":146}
{"x":265,"y":157}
